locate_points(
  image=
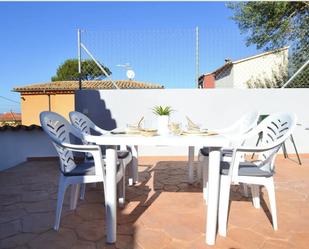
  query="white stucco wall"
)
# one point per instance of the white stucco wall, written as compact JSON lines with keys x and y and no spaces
{"x":214,"y":108}
{"x":225,"y":79}
{"x":17,"y":146}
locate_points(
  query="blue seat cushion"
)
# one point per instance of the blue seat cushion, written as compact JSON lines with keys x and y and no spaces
{"x":245,"y":169}
{"x":85,"y":168}
{"x":205,"y":152}
{"x":81,"y":169}
{"x":121,"y":154}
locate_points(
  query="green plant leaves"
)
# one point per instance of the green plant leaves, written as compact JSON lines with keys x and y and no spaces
{"x":162,"y":110}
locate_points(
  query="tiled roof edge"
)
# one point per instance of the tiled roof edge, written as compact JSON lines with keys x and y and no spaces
{"x":20,"y":127}
{"x":123,"y":84}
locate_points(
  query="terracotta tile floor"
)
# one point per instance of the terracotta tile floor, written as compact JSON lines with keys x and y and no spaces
{"x":163,"y":211}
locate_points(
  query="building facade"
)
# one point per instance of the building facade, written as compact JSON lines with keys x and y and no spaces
{"x":257,"y":71}
{"x":59,"y":96}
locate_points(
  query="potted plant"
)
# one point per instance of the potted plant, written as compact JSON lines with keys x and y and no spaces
{"x":163,"y":113}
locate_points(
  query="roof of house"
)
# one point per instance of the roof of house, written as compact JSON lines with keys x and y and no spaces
{"x":10,"y":116}
{"x":230,"y":63}
{"x":71,"y":86}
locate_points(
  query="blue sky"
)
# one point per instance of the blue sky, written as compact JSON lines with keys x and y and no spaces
{"x":37,"y":37}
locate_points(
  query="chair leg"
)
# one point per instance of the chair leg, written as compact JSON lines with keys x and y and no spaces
{"x":270,"y":186}
{"x":82,"y":191}
{"x":199,"y":171}
{"x":205,"y":166}
{"x":190,"y":164}
{"x":245,"y":190}
{"x":294,"y":145}
{"x":134,"y":166}
{"x":61,"y":191}
{"x":122,"y":187}
{"x":225,"y":185}
{"x":255,"y":190}
{"x":284,"y":150}
{"x":74,"y":195}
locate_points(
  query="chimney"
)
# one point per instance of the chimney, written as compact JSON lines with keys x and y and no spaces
{"x":227,"y":60}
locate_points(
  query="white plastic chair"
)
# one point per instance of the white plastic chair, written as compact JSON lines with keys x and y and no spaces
{"x":275,"y":130}
{"x":60,"y":132}
{"x":235,"y":133}
{"x":85,"y":125}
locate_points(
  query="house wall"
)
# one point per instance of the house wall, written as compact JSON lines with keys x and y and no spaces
{"x":33,"y":105}
{"x":214,"y":108}
{"x":209,"y":81}
{"x":262,"y":68}
{"x":225,"y":79}
{"x":63,"y":104}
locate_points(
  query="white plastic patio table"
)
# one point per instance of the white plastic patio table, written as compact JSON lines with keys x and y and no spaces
{"x":215,"y":143}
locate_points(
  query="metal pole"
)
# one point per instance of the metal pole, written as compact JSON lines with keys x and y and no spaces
{"x":295,"y":74}
{"x":99,"y":65}
{"x":79,"y":58}
{"x":197,"y":55}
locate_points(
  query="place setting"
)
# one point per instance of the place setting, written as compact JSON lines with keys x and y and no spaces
{"x":146,"y":128}
{"x":194,"y":129}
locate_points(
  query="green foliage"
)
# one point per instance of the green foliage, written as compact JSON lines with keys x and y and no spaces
{"x":69,"y":71}
{"x":272,"y":25}
{"x":161,"y":110}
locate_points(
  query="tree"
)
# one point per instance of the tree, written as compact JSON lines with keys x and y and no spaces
{"x":90,"y":71}
{"x":271,"y":25}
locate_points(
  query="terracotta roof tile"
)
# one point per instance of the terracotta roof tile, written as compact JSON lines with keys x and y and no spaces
{"x":9,"y":116}
{"x":94,"y":84}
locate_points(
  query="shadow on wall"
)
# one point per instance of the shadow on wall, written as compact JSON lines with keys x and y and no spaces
{"x":91,"y":104}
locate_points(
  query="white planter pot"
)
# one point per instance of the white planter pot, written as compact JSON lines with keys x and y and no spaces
{"x":163,"y":124}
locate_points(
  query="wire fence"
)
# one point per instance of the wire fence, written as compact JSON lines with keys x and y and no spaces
{"x":190,"y":58}
{"x":231,"y":64}
{"x":9,"y":112}
{"x":299,"y":57}
{"x":9,"y":105}
{"x":165,"y":57}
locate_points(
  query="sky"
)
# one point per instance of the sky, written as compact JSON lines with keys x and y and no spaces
{"x":36,"y":37}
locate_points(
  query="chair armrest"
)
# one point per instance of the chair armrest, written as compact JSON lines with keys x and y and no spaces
{"x":80,"y":148}
{"x":100,"y":130}
{"x":94,"y":150}
{"x":256,"y":149}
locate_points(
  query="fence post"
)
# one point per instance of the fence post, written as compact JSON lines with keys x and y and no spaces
{"x":79,"y":58}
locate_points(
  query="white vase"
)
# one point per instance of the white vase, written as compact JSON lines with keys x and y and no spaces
{"x":163,"y":124}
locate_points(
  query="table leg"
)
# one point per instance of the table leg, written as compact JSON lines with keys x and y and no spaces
{"x":205,"y":167}
{"x":111,"y":195}
{"x":213,"y":194}
{"x":134,"y":165}
{"x":190,"y":164}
